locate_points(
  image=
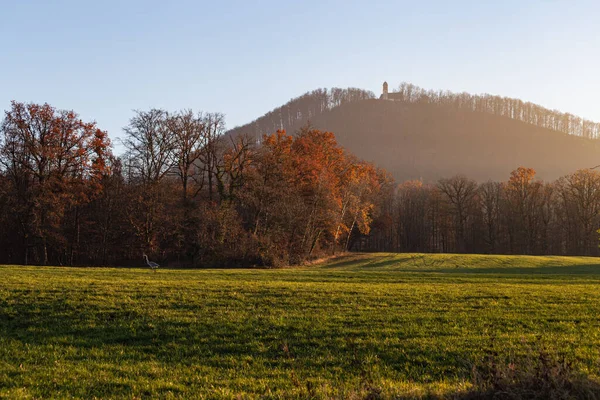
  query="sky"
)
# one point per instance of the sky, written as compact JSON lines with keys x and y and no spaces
{"x":104,"y":59}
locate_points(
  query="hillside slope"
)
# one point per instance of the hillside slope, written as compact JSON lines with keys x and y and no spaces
{"x":428,"y":141}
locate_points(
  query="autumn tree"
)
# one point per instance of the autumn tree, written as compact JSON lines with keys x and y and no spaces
{"x":273,"y":203}
{"x":54,"y":161}
{"x":305,"y":194}
{"x":359,"y":186}
{"x":319,"y":164}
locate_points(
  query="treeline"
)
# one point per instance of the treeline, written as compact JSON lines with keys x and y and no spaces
{"x":502,"y":106}
{"x":519,"y":216}
{"x":184,"y":193}
{"x":302,"y":109}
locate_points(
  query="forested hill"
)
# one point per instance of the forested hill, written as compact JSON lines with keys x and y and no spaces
{"x":428,"y":135}
{"x":302,"y":109}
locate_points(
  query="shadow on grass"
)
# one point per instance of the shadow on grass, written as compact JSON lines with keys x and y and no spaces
{"x":592,"y":269}
{"x":128,"y":335}
{"x":366,"y":263}
{"x":451,"y":265}
{"x":136,"y":332}
{"x":225,"y":345}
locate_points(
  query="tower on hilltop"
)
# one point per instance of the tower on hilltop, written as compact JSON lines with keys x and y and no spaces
{"x":384,"y":95}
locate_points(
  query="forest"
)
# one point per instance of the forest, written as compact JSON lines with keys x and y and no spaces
{"x":303,"y":109}
{"x":183,"y":192}
{"x":521,"y":215}
{"x":190,"y":195}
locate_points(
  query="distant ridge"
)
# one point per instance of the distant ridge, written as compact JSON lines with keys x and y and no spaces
{"x":420,"y":134}
{"x":300,"y":110}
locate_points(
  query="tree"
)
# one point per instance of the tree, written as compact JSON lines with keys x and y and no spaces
{"x":319,"y":163}
{"x":150,"y":145}
{"x":189,"y":135}
{"x":359,"y":187}
{"x":580,"y":196}
{"x":214,"y":125}
{"x":490,"y":200}
{"x":460,"y":193}
{"x":412,"y":220}
{"x":150,"y":157}
{"x":233,"y":165}
{"x":523,"y":196}
{"x":53,"y":161}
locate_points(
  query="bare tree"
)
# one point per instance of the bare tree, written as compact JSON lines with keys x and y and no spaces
{"x":580,"y":194}
{"x":150,"y":145}
{"x":232,"y":166}
{"x":188,"y":131}
{"x":460,"y":192}
{"x":490,"y":196}
{"x":150,"y":149}
{"x":214,"y":127}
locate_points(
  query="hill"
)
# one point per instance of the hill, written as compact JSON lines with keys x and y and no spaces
{"x":415,"y":141}
{"x":427,"y":139}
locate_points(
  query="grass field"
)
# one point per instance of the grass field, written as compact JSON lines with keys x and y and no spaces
{"x":363,"y":326}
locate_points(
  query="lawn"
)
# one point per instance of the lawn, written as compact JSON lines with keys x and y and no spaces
{"x":361,"y":326}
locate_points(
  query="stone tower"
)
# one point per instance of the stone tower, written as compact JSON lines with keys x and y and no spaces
{"x":384,"y":96}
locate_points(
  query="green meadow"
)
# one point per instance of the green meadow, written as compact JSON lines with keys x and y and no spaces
{"x":359,"y":326}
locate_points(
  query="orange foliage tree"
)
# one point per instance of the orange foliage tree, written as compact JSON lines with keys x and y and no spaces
{"x":307,"y":194}
{"x":54,"y":162}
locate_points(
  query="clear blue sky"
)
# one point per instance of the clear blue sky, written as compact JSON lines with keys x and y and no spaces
{"x":105,"y":58}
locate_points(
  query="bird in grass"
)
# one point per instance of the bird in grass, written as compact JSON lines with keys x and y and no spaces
{"x":151,"y":264}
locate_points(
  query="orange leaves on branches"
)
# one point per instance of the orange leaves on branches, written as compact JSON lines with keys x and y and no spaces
{"x":55,"y":148}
